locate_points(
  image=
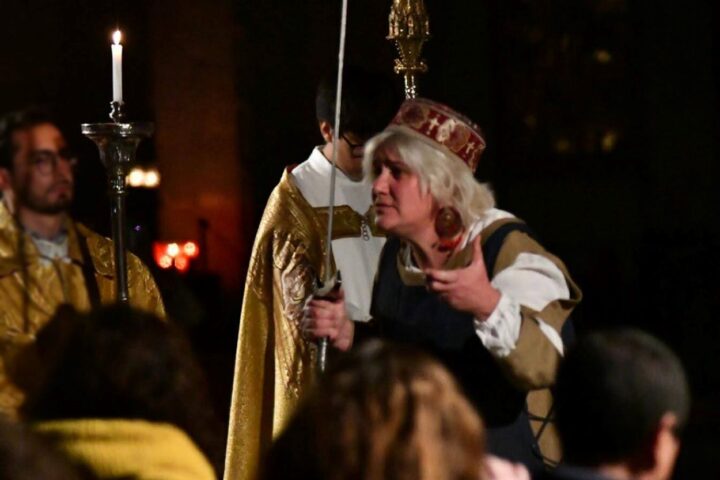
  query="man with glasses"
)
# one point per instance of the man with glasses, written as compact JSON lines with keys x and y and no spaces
{"x":47,"y":259}
{"x":274,"y":364}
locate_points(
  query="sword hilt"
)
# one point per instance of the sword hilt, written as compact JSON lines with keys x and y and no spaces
{"x":328,"y":291}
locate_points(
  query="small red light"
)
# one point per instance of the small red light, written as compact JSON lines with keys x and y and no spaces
{"x":182,"y":263}
{"x":165,"y":261}
{"x":160,"y":251}
{"x":173,"y":249}
{"x":177,"y":254}
{"x":191,"y":249}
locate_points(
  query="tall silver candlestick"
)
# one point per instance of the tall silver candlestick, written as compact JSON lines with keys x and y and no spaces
{"x":118,"y":142}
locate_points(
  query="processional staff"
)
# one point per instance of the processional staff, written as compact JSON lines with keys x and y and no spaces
{"x":409,"y":29}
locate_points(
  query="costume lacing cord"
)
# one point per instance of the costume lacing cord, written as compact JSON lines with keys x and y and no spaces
{"x":546,"y":420}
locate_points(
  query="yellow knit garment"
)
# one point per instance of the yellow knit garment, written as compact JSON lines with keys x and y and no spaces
{"x":134,"y":448}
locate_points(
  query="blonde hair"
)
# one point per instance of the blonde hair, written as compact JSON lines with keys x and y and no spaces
{"x":383,"y":412}
{"x":445,"y":176}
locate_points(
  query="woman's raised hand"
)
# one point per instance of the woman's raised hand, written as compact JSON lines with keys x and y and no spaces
{"x":466,"y":289}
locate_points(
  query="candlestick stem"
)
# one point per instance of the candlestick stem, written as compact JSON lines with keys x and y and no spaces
{"x":117,"y":143}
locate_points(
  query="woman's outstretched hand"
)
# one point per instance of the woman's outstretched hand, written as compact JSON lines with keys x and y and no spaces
{"x":466,"y":289}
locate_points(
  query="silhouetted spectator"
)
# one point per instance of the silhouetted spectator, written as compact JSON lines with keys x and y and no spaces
{"x":122,"y":388}
{"x":382,"y":412}
{"x":622,"y":401}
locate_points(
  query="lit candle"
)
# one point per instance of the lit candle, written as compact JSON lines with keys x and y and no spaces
{"x":117,"y":67}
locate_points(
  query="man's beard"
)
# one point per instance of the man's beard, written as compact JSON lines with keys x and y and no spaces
{"x":39,"y":204}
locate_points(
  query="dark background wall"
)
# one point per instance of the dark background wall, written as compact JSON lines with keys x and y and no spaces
{"x":601,"y":118}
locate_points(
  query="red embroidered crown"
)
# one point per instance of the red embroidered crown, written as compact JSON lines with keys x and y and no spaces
{"x":444,"y":127}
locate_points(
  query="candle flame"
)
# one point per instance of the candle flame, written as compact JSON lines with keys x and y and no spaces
{"x":116,"y":37}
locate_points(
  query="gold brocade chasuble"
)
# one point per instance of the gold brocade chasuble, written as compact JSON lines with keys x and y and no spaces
{"x":274,"y":364}
{"x":29,"y":299}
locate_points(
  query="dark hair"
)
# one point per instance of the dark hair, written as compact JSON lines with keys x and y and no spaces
{"x":369,"y":101}
{"x":612,"y":390}
{"x":16,"y":121}
{"x":382,"y":411}
{"x":25,"y":455}
{"x":119,"y":362}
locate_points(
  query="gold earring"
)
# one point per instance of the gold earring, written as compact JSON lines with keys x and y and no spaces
{"x":448,"y":226}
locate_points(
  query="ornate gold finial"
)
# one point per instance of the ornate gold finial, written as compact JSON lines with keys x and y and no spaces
{"x":409,"y":29}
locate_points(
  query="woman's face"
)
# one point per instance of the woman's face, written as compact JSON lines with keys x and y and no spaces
{"x":400,"y":205}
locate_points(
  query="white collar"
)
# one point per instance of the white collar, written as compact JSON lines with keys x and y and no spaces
{"x":323,"y":165}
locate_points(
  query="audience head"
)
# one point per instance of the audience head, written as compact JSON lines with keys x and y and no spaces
{"x":121,"y":363}
{"x":382,"y":411}
{"x":622,"y":399}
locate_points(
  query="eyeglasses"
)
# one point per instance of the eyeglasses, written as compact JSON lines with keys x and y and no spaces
{"x":46,"y":160}
{"x":356,"y":149}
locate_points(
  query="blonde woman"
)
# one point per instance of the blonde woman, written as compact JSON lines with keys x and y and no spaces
{"x":461,"y":279}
